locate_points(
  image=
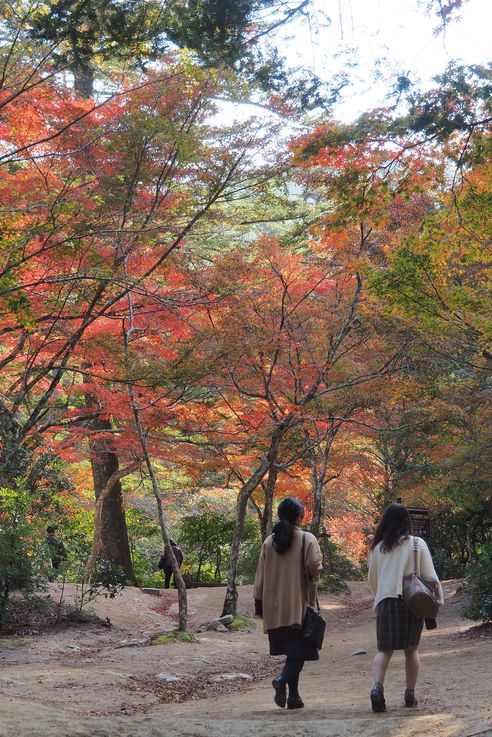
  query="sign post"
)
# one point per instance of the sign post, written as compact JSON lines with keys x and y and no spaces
{"x":421,"y":525}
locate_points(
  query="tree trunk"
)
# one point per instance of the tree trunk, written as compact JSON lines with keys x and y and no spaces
{"x":269,"y":488}
{"x":230,"y":601}
{"x":178,"y":578}
{"x":110,"y":533}
{"x":470,"y":542}
{"x":317,"y":506}
{"x":12,"y":453}
{"x":317,"y":491}
{"x":319,"y":468}
{"x":326,"y":549}
{"x":83,"y":80}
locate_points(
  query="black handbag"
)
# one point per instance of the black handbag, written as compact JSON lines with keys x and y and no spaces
{"x":314,"y":624}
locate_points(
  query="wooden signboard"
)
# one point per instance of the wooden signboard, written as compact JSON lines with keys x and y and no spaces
{"x":421,"y":525}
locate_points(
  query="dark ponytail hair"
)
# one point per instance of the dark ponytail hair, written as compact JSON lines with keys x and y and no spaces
{"x":394,"y":525}
{"x":289,"y":510}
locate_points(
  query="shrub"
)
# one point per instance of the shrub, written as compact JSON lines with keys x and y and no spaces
{"x":248,"y":560}
{"x":28,"y":612}
{"x":146,"y":547}
{"x":479,"y":588}
{"x":77,"y":532}
{"x":206,"y":538}
{"x":144,"y":561}
{"x":457,"y":531}
{"x":338,"y":565}
{"x":332,"y":583}
{"x":20,"y":564}
{"x":447,"y":567}
{"x":107,"y":580}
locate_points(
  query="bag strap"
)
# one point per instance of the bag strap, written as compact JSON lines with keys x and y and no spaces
{"x":415,"y":552}
{"x":303,"y":565}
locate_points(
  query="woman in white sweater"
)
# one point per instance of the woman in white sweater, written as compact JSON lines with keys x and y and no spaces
{"x":390,"y":559}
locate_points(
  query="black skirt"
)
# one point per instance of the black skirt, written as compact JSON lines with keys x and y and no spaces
{"x":396,"y":627}
{"x":289,"y":641}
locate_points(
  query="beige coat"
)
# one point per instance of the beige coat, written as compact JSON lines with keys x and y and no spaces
{"x":279,"y":582}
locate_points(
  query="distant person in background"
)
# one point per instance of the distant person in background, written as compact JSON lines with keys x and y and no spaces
{"x":390,"y":559}
{"x":280,"y":596}
{"x":165,"y":564}
{"x":57,"y":551}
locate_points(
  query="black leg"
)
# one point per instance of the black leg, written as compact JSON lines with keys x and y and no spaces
{"x":290,"y":675}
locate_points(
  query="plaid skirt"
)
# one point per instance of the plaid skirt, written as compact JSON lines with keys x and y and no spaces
{"x":396,"y":627}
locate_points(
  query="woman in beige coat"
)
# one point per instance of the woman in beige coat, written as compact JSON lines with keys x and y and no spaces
{"x":280,"y":596}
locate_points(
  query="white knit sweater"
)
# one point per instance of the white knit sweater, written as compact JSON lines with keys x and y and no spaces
{"x":386,"y":570}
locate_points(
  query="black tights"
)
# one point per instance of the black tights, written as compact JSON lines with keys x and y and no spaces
{"x":167,"y":577}
{"x":290,"y":674}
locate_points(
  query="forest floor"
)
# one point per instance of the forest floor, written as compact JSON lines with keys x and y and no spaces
{"x":110,"y":682}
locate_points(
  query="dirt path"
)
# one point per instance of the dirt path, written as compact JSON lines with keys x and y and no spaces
{"x":108,"y":682}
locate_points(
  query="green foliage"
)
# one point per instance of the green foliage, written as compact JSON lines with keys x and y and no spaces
{"x":248,"y":560}
{"x":28,"y":465}
{"x":456,"y":527}
{"x":217,"y":30}
{"x":403,"y":284}
{"x":146,"y":547}
{"x":230,"y":35}
{"x":145,"y":567}
{"x":77,"y":533}
{"x":332,"y":583}
{"x":339,"y":566}
{"x":107,"y":580}
{"x":479,"y":588}
{"x":97,"y":28}
{"x":206,"y":540}
{"x":207,"y":573}
{"x":448,"y":567}
{"x":463,"y":95}
{"x":168,"y":638}
{"x":19,"y":546}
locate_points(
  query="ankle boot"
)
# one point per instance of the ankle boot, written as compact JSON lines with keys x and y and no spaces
{"x":377,"y":698}
{"x":295,"y":702}
{"x":280,"y":692}
{"x":410,"y":699}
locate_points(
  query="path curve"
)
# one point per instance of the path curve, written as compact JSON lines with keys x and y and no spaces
{"x":49,"y":693}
